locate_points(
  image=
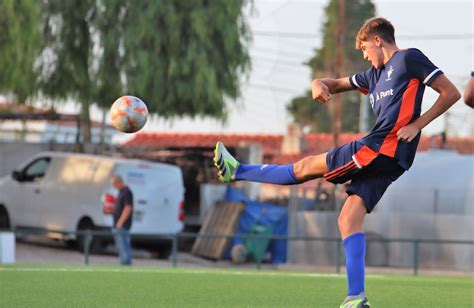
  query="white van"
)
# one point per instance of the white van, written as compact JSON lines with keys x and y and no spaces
{"x":66,"y":191}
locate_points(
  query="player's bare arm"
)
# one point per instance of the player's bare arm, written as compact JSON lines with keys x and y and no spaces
{"x":448,"y":95}
{"x":322,"y":89}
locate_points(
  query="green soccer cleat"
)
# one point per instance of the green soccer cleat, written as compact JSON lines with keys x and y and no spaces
{"x":356,"y":301}
{"x":225,"y":163}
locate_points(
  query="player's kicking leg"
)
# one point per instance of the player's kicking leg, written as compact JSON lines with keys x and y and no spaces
{"x":229,"y":169}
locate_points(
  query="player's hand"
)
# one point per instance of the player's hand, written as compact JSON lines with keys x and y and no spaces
{"x":320,"y":91}
{"x":408,"y":133}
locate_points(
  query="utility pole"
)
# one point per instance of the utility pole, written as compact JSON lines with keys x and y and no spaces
{"x":445,"y":132}
{"x":446,"y":122}
{"x":339,"y":65}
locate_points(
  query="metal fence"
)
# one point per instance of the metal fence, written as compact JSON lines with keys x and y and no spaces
{"x":175,"y":238}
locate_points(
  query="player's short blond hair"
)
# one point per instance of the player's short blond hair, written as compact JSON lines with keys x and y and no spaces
{"x":376,"y":26}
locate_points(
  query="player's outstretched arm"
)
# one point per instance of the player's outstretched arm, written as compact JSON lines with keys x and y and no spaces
{"x":322,"y":89}
{"x":448,"y":95}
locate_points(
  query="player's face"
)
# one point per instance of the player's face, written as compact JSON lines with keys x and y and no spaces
{"x":371,"y":52}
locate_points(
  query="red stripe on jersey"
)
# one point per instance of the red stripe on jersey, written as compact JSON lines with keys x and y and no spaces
{"x":365,"y":156}
{"x":363,"y":90}
{"x":407,"y":109}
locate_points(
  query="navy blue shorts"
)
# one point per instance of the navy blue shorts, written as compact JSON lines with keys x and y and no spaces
{"x":369,"y":171}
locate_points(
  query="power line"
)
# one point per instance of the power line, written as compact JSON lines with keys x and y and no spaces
{"x":280,"y":62}
{"x":273,"y":88}
{"x":277,"y":57}
{"x":292,"y":35}
{"x":288,"y":54}
{"x":432,"y":37}
{"x":306,"y":35}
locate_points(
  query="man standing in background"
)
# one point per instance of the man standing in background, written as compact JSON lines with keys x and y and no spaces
{"x":123,"y":220}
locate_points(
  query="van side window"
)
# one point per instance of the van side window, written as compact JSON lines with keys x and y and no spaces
{"x":36,"y":170}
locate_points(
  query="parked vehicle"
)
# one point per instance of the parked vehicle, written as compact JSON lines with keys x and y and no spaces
{"x":66,"y":191}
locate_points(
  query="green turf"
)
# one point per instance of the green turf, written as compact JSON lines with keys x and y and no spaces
{"x":106,"y":286}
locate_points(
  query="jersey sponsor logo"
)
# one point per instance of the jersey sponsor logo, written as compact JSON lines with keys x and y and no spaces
{"x":389,"y":73}
{"x":372,"y":100}
{"x":382,"y":94}
{"x":379,"y":95}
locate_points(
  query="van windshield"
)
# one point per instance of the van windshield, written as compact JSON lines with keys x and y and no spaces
{"x":36,"y":170}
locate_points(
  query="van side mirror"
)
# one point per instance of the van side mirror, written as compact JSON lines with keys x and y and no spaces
{"x":17,"y":175}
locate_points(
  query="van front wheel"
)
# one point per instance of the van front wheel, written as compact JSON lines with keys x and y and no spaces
{"x":4,"y":219}
{"x":95,"y":245}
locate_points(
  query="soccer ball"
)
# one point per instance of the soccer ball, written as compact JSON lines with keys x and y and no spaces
{"x":128,"y":114}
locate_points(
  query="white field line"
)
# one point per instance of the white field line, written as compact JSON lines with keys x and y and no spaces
{"x":196,"y":272}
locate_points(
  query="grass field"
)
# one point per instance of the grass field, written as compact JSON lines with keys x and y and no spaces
{"x":100,"y":286}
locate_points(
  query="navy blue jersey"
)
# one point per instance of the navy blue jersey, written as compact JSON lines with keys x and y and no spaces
{"x":395,"y":92}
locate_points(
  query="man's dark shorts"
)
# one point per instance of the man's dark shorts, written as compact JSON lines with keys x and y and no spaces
{"x":370,"y":172}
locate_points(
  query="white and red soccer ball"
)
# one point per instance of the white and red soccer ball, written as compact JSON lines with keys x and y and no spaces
{"x":128,"y":114}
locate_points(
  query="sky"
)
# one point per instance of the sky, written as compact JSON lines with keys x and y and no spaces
{"x":278,"y":73}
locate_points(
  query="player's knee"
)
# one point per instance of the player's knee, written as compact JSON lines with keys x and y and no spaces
{"x":344,"y":223}
{"x":349,"y":222}
{"x":299,"y":169}
{"x":304,"y":167}
{"x":348,"y":226}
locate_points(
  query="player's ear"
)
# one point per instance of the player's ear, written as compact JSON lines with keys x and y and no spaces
{"x":377,"y":40}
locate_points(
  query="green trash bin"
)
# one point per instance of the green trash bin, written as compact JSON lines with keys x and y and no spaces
{"x":256,"y":247}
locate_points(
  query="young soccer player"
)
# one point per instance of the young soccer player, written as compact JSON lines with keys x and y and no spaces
{"x":395,"y":84}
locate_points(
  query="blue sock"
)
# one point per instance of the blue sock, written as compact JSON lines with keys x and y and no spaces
{"x":355,"y":262}
{"x":273,"y":174}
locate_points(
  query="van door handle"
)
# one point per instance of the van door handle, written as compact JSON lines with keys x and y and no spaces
{"x":37,"y":190}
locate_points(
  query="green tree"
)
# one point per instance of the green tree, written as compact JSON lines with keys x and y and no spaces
{"x":186,"y":57}
{"x":66,"y":60}
{"x":182,"y":57}
{"x":19,"y":46}
{"x":316,"y":116}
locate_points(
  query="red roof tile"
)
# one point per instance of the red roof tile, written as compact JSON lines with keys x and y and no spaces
{"x":271,"y":143}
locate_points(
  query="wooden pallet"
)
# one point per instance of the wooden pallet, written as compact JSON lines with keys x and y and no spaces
{"x":223,"y":219}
